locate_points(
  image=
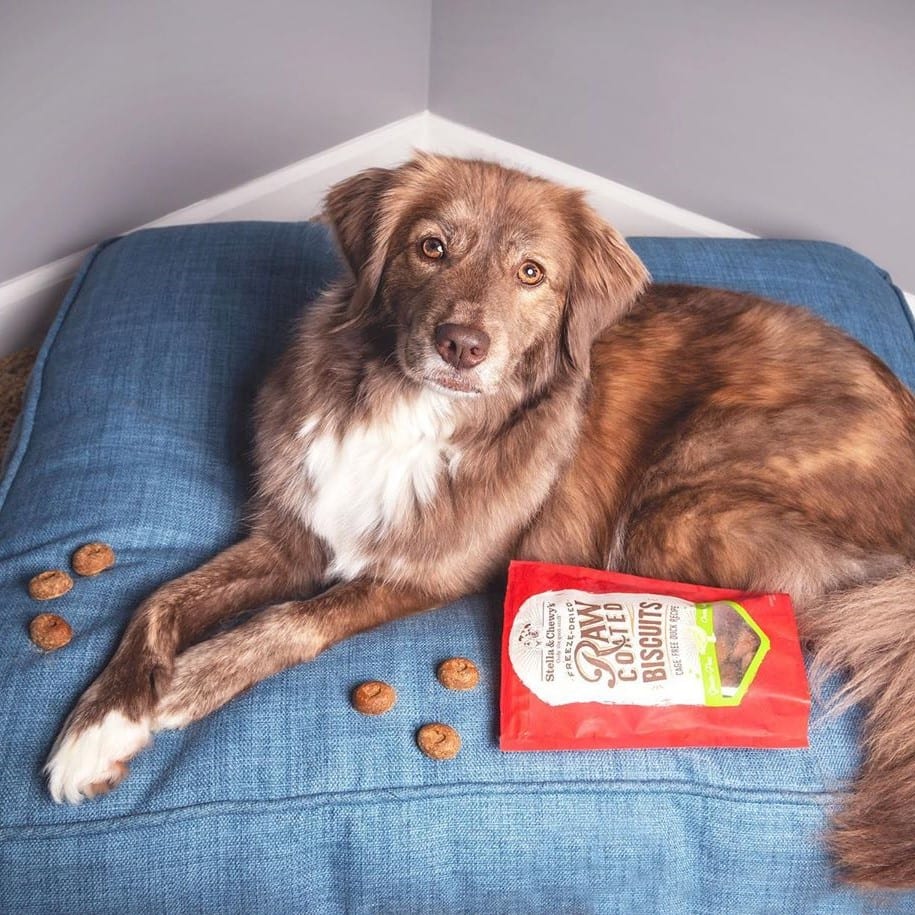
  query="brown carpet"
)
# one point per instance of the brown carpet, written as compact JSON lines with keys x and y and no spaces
{"x":14,"y":373}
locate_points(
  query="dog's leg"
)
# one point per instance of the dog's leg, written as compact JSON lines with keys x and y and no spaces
{"x":214,"y":671}
{"x":112,"y":720}
{"x":731,"y":538}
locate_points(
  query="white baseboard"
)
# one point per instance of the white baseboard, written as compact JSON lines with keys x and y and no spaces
{"x":28,"y":302}
{"x":630,"y":211}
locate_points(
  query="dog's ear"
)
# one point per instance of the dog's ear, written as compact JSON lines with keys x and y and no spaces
{"x":358,"y":212}
{"x":352,"y":208}
{"x":607,"y":276}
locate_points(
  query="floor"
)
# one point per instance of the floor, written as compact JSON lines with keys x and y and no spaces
{"x":14,"y":373}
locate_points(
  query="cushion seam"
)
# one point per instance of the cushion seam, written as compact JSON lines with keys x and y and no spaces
{"x":394,"y":794}
{"x":36,"y":380}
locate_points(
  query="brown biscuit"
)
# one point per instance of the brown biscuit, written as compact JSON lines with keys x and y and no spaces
{"x":92,"y":558}
{"x":50,"y":584}
{"x":50,"y":631}
{"x":458,"y":673}
{"x":373,"y":697}
{"x":735,"y":644}
{"x":438,"y":741}
{"x":730,"y":673}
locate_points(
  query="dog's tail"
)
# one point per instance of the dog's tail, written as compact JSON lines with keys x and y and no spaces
{"x":869,"y":631}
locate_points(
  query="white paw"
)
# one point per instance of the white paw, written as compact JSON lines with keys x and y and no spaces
{"x":93,"y":760}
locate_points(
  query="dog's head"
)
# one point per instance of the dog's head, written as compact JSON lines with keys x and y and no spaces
{"x":487,"y":274}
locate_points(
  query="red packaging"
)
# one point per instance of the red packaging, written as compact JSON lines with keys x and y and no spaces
{"x":602,"y":660}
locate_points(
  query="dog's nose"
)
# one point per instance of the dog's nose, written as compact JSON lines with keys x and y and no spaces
{"x":461,"y":345}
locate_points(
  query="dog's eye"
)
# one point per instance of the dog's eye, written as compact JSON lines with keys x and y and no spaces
{"x":433,"y":248}
{"x":530,"y":274}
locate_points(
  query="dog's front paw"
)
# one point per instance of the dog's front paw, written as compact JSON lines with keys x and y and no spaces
{"x":91,"y":759}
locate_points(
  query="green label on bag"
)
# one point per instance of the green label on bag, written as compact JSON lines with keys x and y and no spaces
{"x":732,"y":648}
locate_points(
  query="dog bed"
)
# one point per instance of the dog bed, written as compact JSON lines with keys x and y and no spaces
{"x":135,"y":432}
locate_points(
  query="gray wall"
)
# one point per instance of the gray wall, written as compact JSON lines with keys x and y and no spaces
{"x":785,"y":118}
{"x":114,"y":113}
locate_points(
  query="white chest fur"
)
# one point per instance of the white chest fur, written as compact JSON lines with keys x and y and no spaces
{"x":375,"y":475}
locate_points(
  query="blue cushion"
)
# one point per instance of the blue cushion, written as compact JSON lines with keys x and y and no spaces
{"x":135,"y":432}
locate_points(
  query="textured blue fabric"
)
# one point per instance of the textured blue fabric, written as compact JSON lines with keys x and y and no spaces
{"x":135,"y":433}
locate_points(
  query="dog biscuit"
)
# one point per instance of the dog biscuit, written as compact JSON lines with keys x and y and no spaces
{"x":736,"y":644}
{"x":438,"y":741}
{"x":92,"y":558}
{"x":50,"y":584}
{"x":458,"y":673}
{"x":50,"y":631}
{"x":373,"y":697}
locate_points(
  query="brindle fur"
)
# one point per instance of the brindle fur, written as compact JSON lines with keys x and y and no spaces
{"x":669,"y":431}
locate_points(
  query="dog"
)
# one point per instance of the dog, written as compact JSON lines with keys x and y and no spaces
{"x":496,"y":378}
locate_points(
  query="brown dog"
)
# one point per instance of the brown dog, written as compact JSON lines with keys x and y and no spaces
{"x":495,"y":381}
